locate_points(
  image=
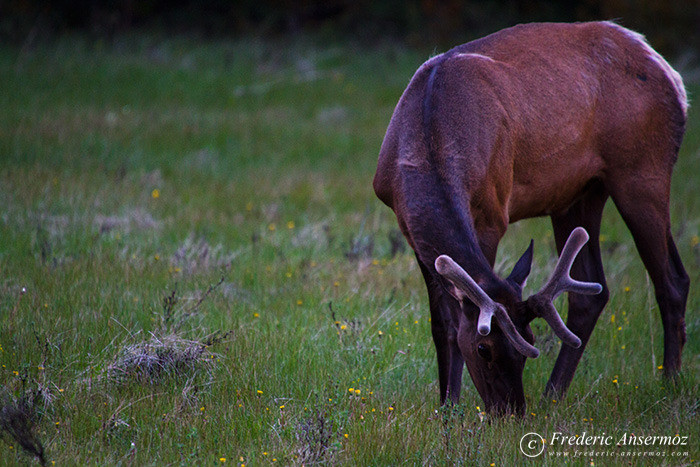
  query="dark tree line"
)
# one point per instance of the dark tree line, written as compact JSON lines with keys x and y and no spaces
{"x":671,"y":25}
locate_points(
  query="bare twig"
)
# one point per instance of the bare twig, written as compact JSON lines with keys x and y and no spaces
{"x":204,"y":296}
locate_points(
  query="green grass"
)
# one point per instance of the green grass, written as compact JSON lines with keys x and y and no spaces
{"x":135,"y":169}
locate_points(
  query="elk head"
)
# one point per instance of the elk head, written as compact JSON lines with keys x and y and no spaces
{"x":495,"y":352}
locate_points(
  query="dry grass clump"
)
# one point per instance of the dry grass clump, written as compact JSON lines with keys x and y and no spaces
{"x":196,"y":254}
{"x":162,"y":357}
{"x":133,"y":219}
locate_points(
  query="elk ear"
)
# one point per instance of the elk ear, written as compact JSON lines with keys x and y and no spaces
{"x":522,"y":268}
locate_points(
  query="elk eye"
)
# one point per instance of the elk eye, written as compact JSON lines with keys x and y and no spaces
{"x":484,"y":352}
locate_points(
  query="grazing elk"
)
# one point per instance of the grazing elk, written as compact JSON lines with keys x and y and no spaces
{"x":534,"y":120}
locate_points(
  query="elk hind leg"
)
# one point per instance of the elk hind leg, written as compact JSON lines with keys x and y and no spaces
{"x":584,"y":310}
{"x":645,"y":209}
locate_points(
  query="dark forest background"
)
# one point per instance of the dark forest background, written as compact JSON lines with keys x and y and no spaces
{"x":673,"y":26}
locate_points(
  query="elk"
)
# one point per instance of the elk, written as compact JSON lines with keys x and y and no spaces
{"x":535,"y":120}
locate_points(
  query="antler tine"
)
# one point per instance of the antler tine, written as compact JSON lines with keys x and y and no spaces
{"x":449,"y":269}
{"x":521,"y":345}
{"x":561,"y":281}
{"x":545,"y":309}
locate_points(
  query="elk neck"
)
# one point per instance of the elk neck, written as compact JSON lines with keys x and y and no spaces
{"x":436,"y":216}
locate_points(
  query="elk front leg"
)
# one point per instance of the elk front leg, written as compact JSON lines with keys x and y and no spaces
{"x":449,"y":357}
{"x":584,"y":310}
{"x":450,"y":361}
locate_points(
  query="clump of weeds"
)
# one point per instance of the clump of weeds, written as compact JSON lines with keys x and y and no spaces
{"x":19,"y":417}
{"x":316,"y":436}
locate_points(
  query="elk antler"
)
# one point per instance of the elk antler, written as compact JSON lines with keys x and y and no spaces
{"x":540,"y":303}
{"x":561,"y":281}
{"x":449,"y":269}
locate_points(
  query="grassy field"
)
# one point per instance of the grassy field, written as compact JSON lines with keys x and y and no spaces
{"x":209,"y":277}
